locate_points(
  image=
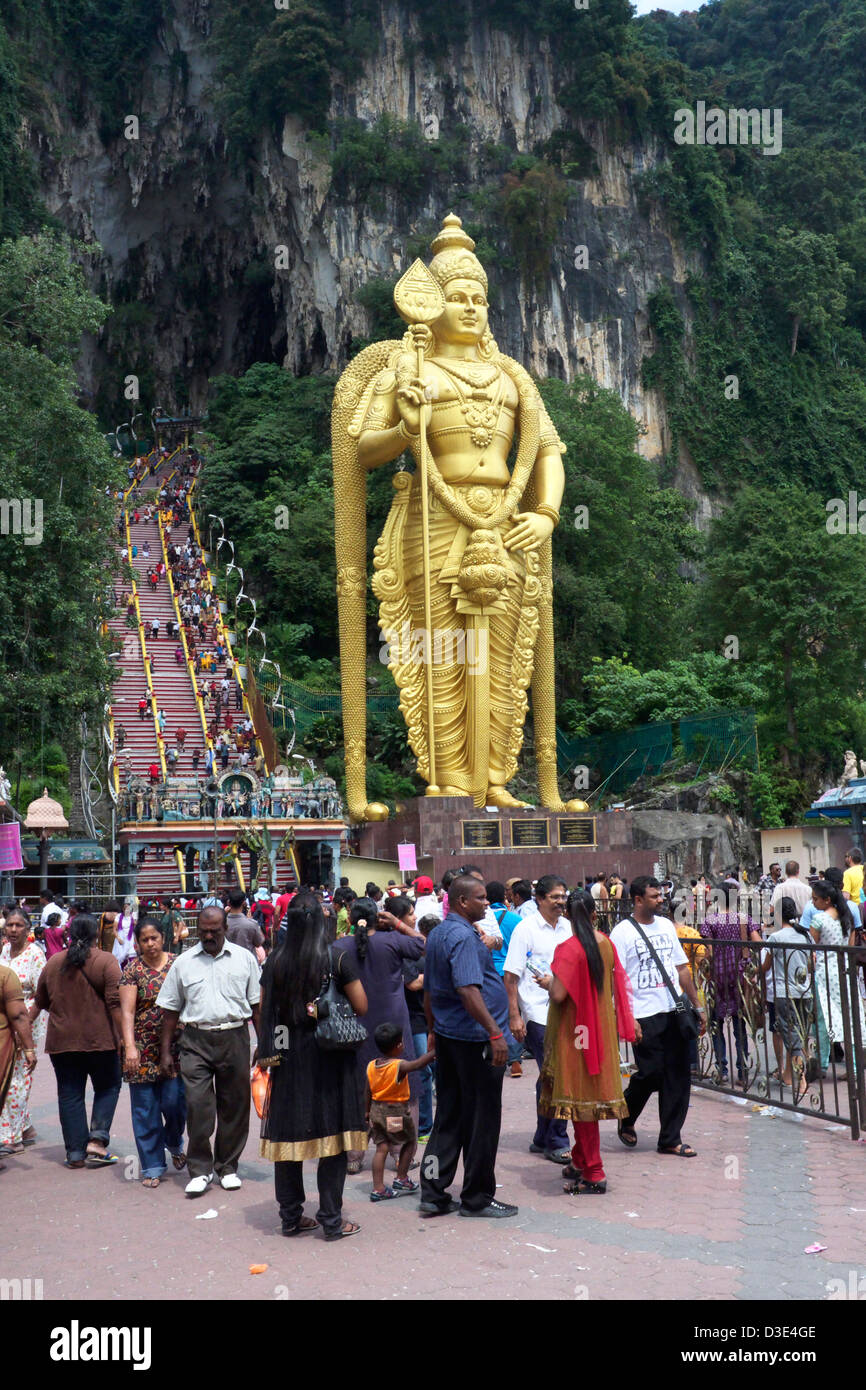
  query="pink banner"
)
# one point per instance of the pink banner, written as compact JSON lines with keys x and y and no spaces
{"x":10,"y":848}
{"x":405,"y":857}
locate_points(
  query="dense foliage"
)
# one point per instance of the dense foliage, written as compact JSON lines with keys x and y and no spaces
{"x":55,"y":573}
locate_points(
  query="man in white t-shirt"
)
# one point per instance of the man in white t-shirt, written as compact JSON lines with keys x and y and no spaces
{"x":662,"y":1055}
{"x":49,"y":906}
{"x":791,"y":886}
{"x":426,"y":902}
{"x":527,"y":974}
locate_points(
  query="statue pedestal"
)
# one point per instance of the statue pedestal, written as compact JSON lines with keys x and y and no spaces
{"x":515,"y":843}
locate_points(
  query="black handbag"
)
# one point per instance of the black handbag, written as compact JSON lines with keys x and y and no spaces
{"x":689,"y":1020}
{"x":338,"y":1028}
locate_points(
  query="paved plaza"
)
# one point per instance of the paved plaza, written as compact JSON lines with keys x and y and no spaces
{"x":731,"y":1224}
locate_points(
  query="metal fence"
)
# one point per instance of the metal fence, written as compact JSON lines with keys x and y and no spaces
{"x":785,"y":1026}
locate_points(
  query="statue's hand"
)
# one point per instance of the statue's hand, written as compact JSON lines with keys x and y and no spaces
{"x":413,"y":396}
{"x":529,"y":531}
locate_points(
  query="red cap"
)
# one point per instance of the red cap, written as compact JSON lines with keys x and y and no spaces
{"x":423,"y":885}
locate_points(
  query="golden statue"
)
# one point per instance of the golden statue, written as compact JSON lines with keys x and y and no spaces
{"x":462,"y":569}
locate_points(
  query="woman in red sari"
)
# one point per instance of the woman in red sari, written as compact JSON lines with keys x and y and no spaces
{"x":589,"y":1004}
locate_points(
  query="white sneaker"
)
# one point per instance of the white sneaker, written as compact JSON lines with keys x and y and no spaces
{"x":196,"y":1186}
{"x":230,"y":1182}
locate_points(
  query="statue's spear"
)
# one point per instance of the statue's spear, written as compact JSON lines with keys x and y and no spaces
{"x":419,"y":299}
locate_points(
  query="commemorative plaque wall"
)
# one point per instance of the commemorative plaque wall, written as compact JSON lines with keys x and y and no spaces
{"x":482,"y":834}
{"x":576,"y":830}
{"x":527,"y":834}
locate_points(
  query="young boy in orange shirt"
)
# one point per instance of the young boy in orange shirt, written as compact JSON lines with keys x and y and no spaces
{"x":388,"y":1113}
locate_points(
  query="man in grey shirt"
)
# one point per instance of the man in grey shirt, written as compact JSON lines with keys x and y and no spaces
{"x":213,"y":990}
{"x":240,"y":929}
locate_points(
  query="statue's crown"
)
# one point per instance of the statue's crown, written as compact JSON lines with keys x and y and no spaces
{"x":452,"y":254}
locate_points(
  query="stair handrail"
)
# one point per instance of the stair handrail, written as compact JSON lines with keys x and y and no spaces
{"x":189,"y":665}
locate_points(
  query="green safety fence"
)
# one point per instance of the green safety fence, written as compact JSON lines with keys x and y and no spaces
{"x":717,"y":740}
{"x":713,"y":741}
{"x":617,"y":760}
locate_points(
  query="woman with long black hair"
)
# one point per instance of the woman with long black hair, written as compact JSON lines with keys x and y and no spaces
{"x":383,"y":939}
{"x":79,"y":988}
{"x":829,"y":926}
{"x":314,"y":1106}
{"x":580,"y":1078}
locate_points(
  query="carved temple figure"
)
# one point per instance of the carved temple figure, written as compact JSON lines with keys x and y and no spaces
{"x":462,"y":570}
{"x":850,"y":769}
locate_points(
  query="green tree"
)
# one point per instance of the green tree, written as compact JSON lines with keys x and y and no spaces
{"x":793,"y":596}
{"x":56,"y":591}
{"x":810,"y":281}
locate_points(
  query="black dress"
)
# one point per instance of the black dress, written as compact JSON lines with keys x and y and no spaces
{"x":315,"y":1106}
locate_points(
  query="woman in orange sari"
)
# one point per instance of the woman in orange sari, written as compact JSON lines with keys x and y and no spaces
{"x":589,"y":1003}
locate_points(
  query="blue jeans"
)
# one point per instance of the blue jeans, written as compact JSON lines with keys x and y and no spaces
{"x":158,"y":1121}
{"x":425,"y":1087}
{"x":72,"y":1070}
{"x":550,"y":1135}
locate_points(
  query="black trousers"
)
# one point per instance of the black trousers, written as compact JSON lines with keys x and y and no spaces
{"x":330,"y":1177}
{"x":468,"y":1119}
{"x":215,"y":1067}
{"x":662,"y":1058}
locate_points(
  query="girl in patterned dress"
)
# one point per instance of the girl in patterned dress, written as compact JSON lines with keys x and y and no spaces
{"x":28,"y":961}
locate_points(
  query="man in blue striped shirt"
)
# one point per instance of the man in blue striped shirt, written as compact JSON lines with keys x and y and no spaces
{"x":467,"y":1017}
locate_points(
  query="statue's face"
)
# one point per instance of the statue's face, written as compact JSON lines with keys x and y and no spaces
{"x":465,"y":316}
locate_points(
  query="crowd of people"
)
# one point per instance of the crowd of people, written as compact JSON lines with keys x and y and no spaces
{"x":393,"y":1017}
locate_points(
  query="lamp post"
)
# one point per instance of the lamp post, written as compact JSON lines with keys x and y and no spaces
{"x":43,"y":815}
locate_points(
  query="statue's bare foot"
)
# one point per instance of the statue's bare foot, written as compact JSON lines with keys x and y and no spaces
{"x":498,"y":796}
{"x":444,"y":791}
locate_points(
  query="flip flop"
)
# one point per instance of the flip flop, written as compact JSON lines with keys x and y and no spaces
{"x":101,"y":1160}
{"x":304,"y":1226}
{"x":179,"y":1161}
{"x":681,"y":1151}
{"x":353,"y":1230}
{"x":623,"y":1130}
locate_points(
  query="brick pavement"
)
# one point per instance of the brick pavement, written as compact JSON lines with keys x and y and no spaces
{"x":732,"y":1223}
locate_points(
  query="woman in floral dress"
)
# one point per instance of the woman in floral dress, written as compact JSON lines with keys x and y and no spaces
{"x":826,"y":927}
{"x":158,"y":1103}
{"x":28,"y":962}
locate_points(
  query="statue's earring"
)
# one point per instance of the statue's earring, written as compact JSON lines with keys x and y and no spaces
{"x":487,"y":345}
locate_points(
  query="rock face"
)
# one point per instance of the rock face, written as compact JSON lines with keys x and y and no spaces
{"x":191,"y":242}
{"x":689,"y":844}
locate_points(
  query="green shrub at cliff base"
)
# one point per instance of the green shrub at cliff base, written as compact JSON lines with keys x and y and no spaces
{"x":53,"y":594}
{"x":621,"y":540}
{"x":793,"y":597}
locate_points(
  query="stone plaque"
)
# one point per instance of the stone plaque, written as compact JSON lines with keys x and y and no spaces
{"x":527,"y":833}
{"x":482,"y":834}
{"x":576,"y":830}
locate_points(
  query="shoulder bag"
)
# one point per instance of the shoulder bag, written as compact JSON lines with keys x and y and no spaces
{"x":338,"y":1028}
{"x":688,"y":1019}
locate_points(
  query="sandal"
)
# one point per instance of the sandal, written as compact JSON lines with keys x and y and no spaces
{"x":305,"y":1224}
{"x":626,"y":1134}
{"x":150,"y":1182}
{"x":349,"y":1228}
{"x":384,"y":1196}
{"x":102,"y":1160}
{"x":681,"y":1151}
{"x":591,"y":1187}
{"x":179,"y":1161}
{"x":352,"y":1167}
{"x":75,"y":1163}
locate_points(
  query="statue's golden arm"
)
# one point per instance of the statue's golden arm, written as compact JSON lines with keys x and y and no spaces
{"x":549,"y":477}
{"x":381,"y":439}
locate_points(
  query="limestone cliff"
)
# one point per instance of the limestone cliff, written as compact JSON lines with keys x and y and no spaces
{"x":188,"y":239}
